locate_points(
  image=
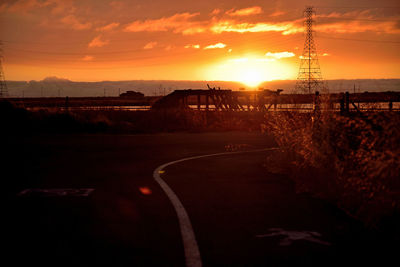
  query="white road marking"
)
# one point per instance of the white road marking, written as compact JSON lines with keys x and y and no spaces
{"x":56,"y":192}
{"x":191,"y":249}
{"x":290,"y":236}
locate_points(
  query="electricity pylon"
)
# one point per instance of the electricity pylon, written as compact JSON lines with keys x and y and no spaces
{"x":309,"y":79}
{"x":3,"y":85}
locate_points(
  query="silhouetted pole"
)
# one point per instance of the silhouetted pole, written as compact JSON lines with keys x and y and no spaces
{"x":347,"y":99}
{"x":341,"y":103}
{"x":3,"y":85}
{"x":317,"y":103}
{"x":198,"y":102}
{"x":66,"y":103}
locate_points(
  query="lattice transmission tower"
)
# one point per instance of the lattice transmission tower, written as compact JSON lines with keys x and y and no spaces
{"x":309,"y":79}
{"x":3,"y":85}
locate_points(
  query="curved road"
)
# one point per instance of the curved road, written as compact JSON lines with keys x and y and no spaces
{"x":239,"y":214}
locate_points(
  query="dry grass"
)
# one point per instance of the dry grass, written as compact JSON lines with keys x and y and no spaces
{"x":19,"y":120}
{"x":353,"y":160}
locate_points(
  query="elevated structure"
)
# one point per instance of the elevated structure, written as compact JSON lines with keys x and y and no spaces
{"x":218,"y":100}
{"x":309,"y":79}
{"x":266,"y":100}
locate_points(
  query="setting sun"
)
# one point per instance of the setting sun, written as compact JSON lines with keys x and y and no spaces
{"x":251,"y":77}
{"x":251,"y":71}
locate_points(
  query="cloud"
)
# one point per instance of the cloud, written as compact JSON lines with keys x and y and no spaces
{"x":108,"y":27}
{"x":195,"y":46}
{"x":178,"y":23}
{"x":56,"y":6}
{"x":358,"y":27}
{"x":279,"y":55}
{"x":217,"y":45}
{"x":87,"y":58}
{"x":189,"y":23}
{"x":62,"y":7}
{"x":277,"y":14}
{"x":185,"y":24}
{"x":232,"y":26}
{"x":150,"y":45}
{"x":359,"y":14}
{"x":357,"y":21}
{"x":72,"y":21}
{"x":245,"y":11}
{"x":23,"y":5}
{"x":97,"y":42}
{"x":216,"y":11}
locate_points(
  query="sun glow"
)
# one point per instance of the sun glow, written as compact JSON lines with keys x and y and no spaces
{"x":251,"y":77}
{"x":251,"y":71}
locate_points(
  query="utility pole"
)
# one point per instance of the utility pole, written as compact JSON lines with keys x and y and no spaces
{"x":3,"y":85}
{"x":309,"y":79}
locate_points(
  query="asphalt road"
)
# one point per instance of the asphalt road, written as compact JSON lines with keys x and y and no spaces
{"x":241,"y":214}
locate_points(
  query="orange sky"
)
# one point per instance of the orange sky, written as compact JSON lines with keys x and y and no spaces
{"x":204,"y":40}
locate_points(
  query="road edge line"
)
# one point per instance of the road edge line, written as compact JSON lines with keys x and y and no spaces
{"x":191,"y":249}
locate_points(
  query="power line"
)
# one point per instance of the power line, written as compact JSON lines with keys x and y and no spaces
{"x":360,"y":40}
{"x":74,"y":54}
{"x":365,"y":7}
{"x":271,"y":42}
{"x":357,"y":19}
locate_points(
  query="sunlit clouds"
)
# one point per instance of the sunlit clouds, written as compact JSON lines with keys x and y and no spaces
{"x":232,"y":26}
{"x":214,"y":46}
{"x":150,"y":45}
{"x":279,"y":55}
{"x":277,"y":14}
{"x":178,"y":23}
{"x":359,"y":26}
{"x":75,"y":24}
{"x":120,"y":39}
{"x":195,"y":46}
{"x":186,"y":24}
{"x":98,"y":42}
{"x":245,"y":11}
{"x":108,"y":27}
{"x":87,"y":58}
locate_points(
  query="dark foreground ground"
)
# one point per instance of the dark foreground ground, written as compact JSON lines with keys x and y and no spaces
{"x":241,"y":214}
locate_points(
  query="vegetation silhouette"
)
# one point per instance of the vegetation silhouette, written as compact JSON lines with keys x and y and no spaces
{"x":352,"y":160}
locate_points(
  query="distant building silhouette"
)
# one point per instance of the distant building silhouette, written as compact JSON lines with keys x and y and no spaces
{"x":132,"y":94}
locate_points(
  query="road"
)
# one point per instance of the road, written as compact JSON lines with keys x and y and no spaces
{"x":240,"y":214}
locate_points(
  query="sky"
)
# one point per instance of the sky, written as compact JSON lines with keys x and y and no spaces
{"x":232,"y":40}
